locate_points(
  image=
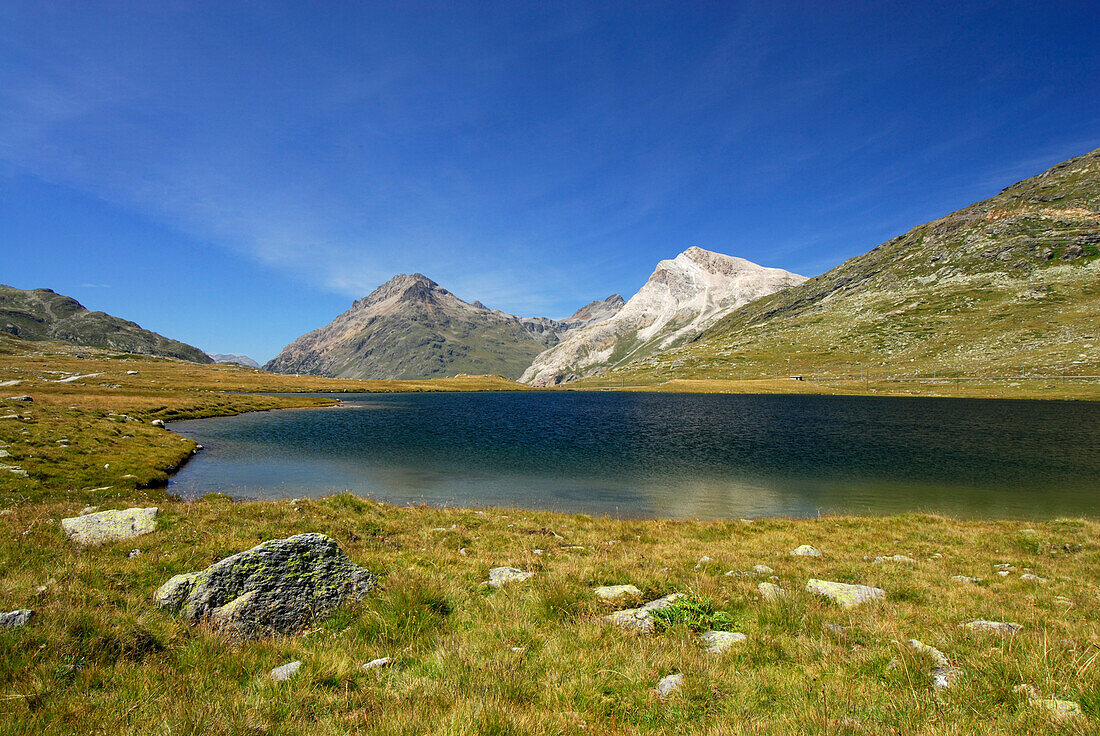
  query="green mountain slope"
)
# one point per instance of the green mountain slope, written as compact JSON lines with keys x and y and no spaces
{"x":41,"y":314}
{"x":1005,"y":286}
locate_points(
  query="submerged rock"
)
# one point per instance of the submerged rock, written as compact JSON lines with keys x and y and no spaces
{"x":500,"y":576}
{"x":110,"y":526}
{"x":844,"y":594}
{"x":611,"y":592}
{"x":669,"y":684}
{"x":277,"y":587}
{"x":717,"y":642}
{"x":20,"y":617}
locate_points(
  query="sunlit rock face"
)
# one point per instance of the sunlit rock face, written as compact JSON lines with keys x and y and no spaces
{"x":682,"y":298}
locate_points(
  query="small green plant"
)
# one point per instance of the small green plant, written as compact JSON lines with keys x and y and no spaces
{"x":695,"y":612}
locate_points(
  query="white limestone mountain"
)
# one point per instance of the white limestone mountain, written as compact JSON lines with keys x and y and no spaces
{"x":411,"y":327}
{"x":682,"y":298}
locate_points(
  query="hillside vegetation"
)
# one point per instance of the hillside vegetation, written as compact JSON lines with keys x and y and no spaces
{"x":1006,"y":287}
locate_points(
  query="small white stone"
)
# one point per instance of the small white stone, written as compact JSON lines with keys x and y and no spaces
{"x":805,"y":550}
{"x":669,"y":684}
{"x":285,"y":672}
{"x":376,"y":663}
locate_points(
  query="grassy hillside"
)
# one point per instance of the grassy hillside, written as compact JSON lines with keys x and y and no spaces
{"x":41,"y":314}
{"x":1006,"y":287}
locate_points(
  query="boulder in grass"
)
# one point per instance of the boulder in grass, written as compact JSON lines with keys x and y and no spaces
{"x":669,"y":684}
{"x":501,"y":576}
{"x":993,"y":627}
{"x":844,"y":594}
{"x":771,"y":592}
{"x":611,"y":592}
{"x":805,"y":550}
{"x":275,"y":588}
{"x":717,"y":642}
{"x":20,"y":617}
{"x":285,"y":672}
{"x":640,"y":620}
{"x":110,"y":526}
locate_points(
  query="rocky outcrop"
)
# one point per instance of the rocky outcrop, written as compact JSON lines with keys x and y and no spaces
{"x":683,"y":297}
{"x":93,"y":529}
{"x":275,"y":588}
{"x":411,"y":327}
{"x":42,"y":314}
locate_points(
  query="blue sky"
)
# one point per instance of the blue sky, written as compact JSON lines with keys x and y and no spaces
{"x":234,"y":174}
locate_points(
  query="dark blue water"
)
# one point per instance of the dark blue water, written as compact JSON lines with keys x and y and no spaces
{"x":665,"y":455}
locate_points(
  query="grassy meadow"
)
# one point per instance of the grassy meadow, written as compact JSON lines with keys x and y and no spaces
{"x":533,"y":657}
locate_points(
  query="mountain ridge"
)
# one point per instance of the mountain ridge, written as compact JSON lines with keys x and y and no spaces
{"x":683,"y":296}
{"x":411,"y":327}
{"x":43,"y":314}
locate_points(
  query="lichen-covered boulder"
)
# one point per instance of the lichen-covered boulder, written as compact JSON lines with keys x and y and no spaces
{"x":501,"y":576}
{"x":611,"y":592}
{"x":717,"y":642}
{"x":275,"y":588}
{"x":110,"y":526}
{"x":844,"y":594}
{"x":1003,"y":628}
{"x":771,"y":592}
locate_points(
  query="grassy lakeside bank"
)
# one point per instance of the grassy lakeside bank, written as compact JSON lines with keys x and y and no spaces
{"x":1058,"y":388}
{"x":87,"y":434}
{"x":535,"y":657}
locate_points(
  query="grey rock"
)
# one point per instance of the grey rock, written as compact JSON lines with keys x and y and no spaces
{"x":762,"y":570}
{"x":134,"y":553}
{"x":771,"y":592}
{"x":942,"y":671}
{"x":704,"y":560}
{"x":717,"y":642}
{"x":1032,"y":578}
{"x":640,"y":620}
{"x":895,"y":558}
{"x":20,"y":398}
{"x":275,"y":588}
{"x":805,"y":550}
{"x":376,"y":663}
{"x":965,"y":579}
{"x":844,"y":594}
{"x":501,"y":576}
{"x":285,"y":672}
{"x":669,"y":684}
{"x":993,"y":627}
{"x":157,"y":423}
{"x":20,"y":617}
{"x":110,"y":526}
{"x":611,"y":592}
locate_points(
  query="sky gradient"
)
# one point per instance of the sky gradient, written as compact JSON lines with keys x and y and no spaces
{"x":235,"y":174}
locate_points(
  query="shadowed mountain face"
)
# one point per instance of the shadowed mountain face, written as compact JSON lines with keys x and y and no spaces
{"x":411,"y":327}
{"x":1006,"y":286}
{"x":684,"y":296}
{"x":41,"y":314}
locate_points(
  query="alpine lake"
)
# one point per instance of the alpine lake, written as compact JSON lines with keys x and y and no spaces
{"x":640,"y":455}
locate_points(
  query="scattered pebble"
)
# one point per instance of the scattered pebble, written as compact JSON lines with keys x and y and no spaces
{"x":1032,"y":578}
{"x":894,"y":558}
{"x":134,"y":553}
{"x":965,"y":579}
